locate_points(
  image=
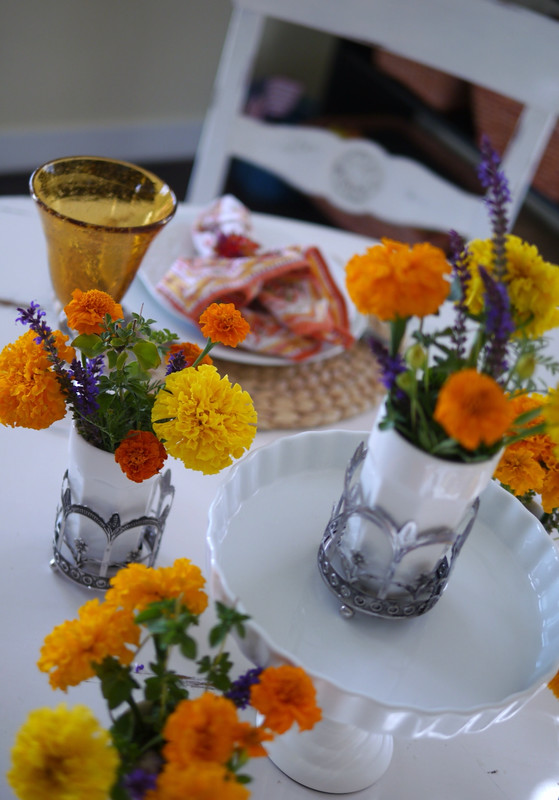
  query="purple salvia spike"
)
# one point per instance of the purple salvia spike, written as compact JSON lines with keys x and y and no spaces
{"x":493,"y":179}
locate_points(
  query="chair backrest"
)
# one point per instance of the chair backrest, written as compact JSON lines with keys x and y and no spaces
{"x":502,"y":47}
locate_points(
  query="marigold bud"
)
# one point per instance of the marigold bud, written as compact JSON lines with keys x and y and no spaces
{"x":525,"y":366}
{"x":416,"y":357}
{"x":405,"y":381}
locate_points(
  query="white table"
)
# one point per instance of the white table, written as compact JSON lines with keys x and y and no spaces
{"x":517,"y":759}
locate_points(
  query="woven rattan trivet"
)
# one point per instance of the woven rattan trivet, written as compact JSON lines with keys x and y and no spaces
{"x":311,"y":394}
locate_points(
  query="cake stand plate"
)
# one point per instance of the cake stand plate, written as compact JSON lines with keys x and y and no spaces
{"x":476,"y":658}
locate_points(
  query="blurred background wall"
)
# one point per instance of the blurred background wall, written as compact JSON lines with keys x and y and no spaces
{"x":128,"y":79}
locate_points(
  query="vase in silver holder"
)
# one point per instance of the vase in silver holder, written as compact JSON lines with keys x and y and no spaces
{"x":376,"y":566}
{"x":90,"y":549}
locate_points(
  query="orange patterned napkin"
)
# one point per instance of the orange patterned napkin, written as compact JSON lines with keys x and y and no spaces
{"x":293,"y":304}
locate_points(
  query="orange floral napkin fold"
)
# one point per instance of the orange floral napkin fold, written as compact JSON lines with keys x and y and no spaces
{"x":289,"y":297}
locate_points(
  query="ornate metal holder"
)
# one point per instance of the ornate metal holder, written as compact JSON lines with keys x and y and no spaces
{"x":136,"y":540}
{"x":375,"y":566}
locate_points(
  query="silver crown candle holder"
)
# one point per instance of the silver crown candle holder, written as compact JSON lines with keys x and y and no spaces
{"x":378,"y":567}
{"x":89,"y":548}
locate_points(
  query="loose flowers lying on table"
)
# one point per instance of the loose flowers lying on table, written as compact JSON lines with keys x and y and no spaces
{"x":120,"y":399}
{"x":466,"y":390}
{"x":162,"y":744}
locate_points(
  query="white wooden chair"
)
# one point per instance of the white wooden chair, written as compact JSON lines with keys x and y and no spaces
{"x":503,"y":47}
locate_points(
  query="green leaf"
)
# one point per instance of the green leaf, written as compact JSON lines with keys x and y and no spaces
{"x":121,"y":360}
{"x":147,"y":355}
{"x":117,"y":682}
{"x":89,"y":344}
{"x":188,"y":647}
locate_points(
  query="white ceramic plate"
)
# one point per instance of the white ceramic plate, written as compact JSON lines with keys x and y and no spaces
{"x":175,"y":240}
{"x":488,"y":645}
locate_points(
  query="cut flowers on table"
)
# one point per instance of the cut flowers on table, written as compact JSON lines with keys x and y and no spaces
{"x":163,"y":743}
{"x":132,"y":390}
{"x":466,"y":390}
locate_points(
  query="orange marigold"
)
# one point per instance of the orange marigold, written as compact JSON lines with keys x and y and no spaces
{"x":100,"y":631}
{"x":141,"y":455}
{"x":136,"y":586}
{"x":520,"y":470}
{"x":200,"y":781}
{"x":473,"y":409}
{"x":394,"y":280}
{"x":223,"y":322}
{"x":86,"y":310}
{"x":251,"y":739}
{"x":285,"y":695}
{"x":204,"y":729}
{"x":30,"y":395}
{"x":190,"y":351}
{"x":554,"y":685}
{"x":550,"y":489}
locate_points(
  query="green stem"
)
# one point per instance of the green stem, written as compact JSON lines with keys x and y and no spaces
{"x":135,"y":711}
{"x":209,"y":346}
{"x":397,"y":332}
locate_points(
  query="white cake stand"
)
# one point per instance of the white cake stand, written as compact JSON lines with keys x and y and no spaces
{"x":476,"y":658}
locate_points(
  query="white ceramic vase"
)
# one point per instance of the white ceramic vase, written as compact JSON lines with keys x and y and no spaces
{"x":105,"y":520}
{"x":401,"y":522}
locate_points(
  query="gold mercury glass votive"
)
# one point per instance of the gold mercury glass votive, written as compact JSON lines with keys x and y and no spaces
{"x":99,"y":216}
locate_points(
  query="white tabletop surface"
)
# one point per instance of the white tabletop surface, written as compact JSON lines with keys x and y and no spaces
{"x":517,"y":759}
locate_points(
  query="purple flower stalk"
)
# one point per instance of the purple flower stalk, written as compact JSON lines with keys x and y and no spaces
{"x":177,"y":362}
{"x":499,"y":324}
{"x":80,"y":382}
{"x":390,"y":366}
{"x":239,"y":692}
{"x":85,"y":384}
{"x":138,"y":782}
{"x":459,"y":261}
{"x":33,"y":316}
{"x":493,"y":179}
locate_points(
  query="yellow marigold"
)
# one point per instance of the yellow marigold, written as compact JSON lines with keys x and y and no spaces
{"x":201,"y":781}
{"x":395,"y":280}
{"x":473,"y":409}
{"x":532,"y":283}
{"x":551,"y":415}
{"x":285,"y":695}
{"x":203,"y":419}
{"x":540,"y":445}
{"x":100,"y":631}
{"x":520,"y":470}
{"x":136,"y":586}
{"x":62,"y":754}
{"x":521,"y":403}
{"x":223,"y":322}
{"x":140,"y":456}
{"x":30,"y":395}
{"x":86,"y":310}
{"x":204,"y":729}
{"x":190,"y":352}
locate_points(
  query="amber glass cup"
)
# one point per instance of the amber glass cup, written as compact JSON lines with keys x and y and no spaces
{"x":99,"y":217}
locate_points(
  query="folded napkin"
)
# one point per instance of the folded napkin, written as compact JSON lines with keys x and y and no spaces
{"x":294,"y":306}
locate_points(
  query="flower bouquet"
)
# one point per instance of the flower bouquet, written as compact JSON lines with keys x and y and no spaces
{"x":467,"y":336}
{"x":136,"y":395}
{"x":119,"y":399}
{"x":172,"y":736}
{"x":450,"y":392}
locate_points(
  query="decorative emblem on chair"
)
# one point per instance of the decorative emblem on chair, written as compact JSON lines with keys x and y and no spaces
{"x":356,"y":175}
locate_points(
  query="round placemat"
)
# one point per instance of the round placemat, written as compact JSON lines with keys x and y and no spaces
{"x":310,"y":394}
